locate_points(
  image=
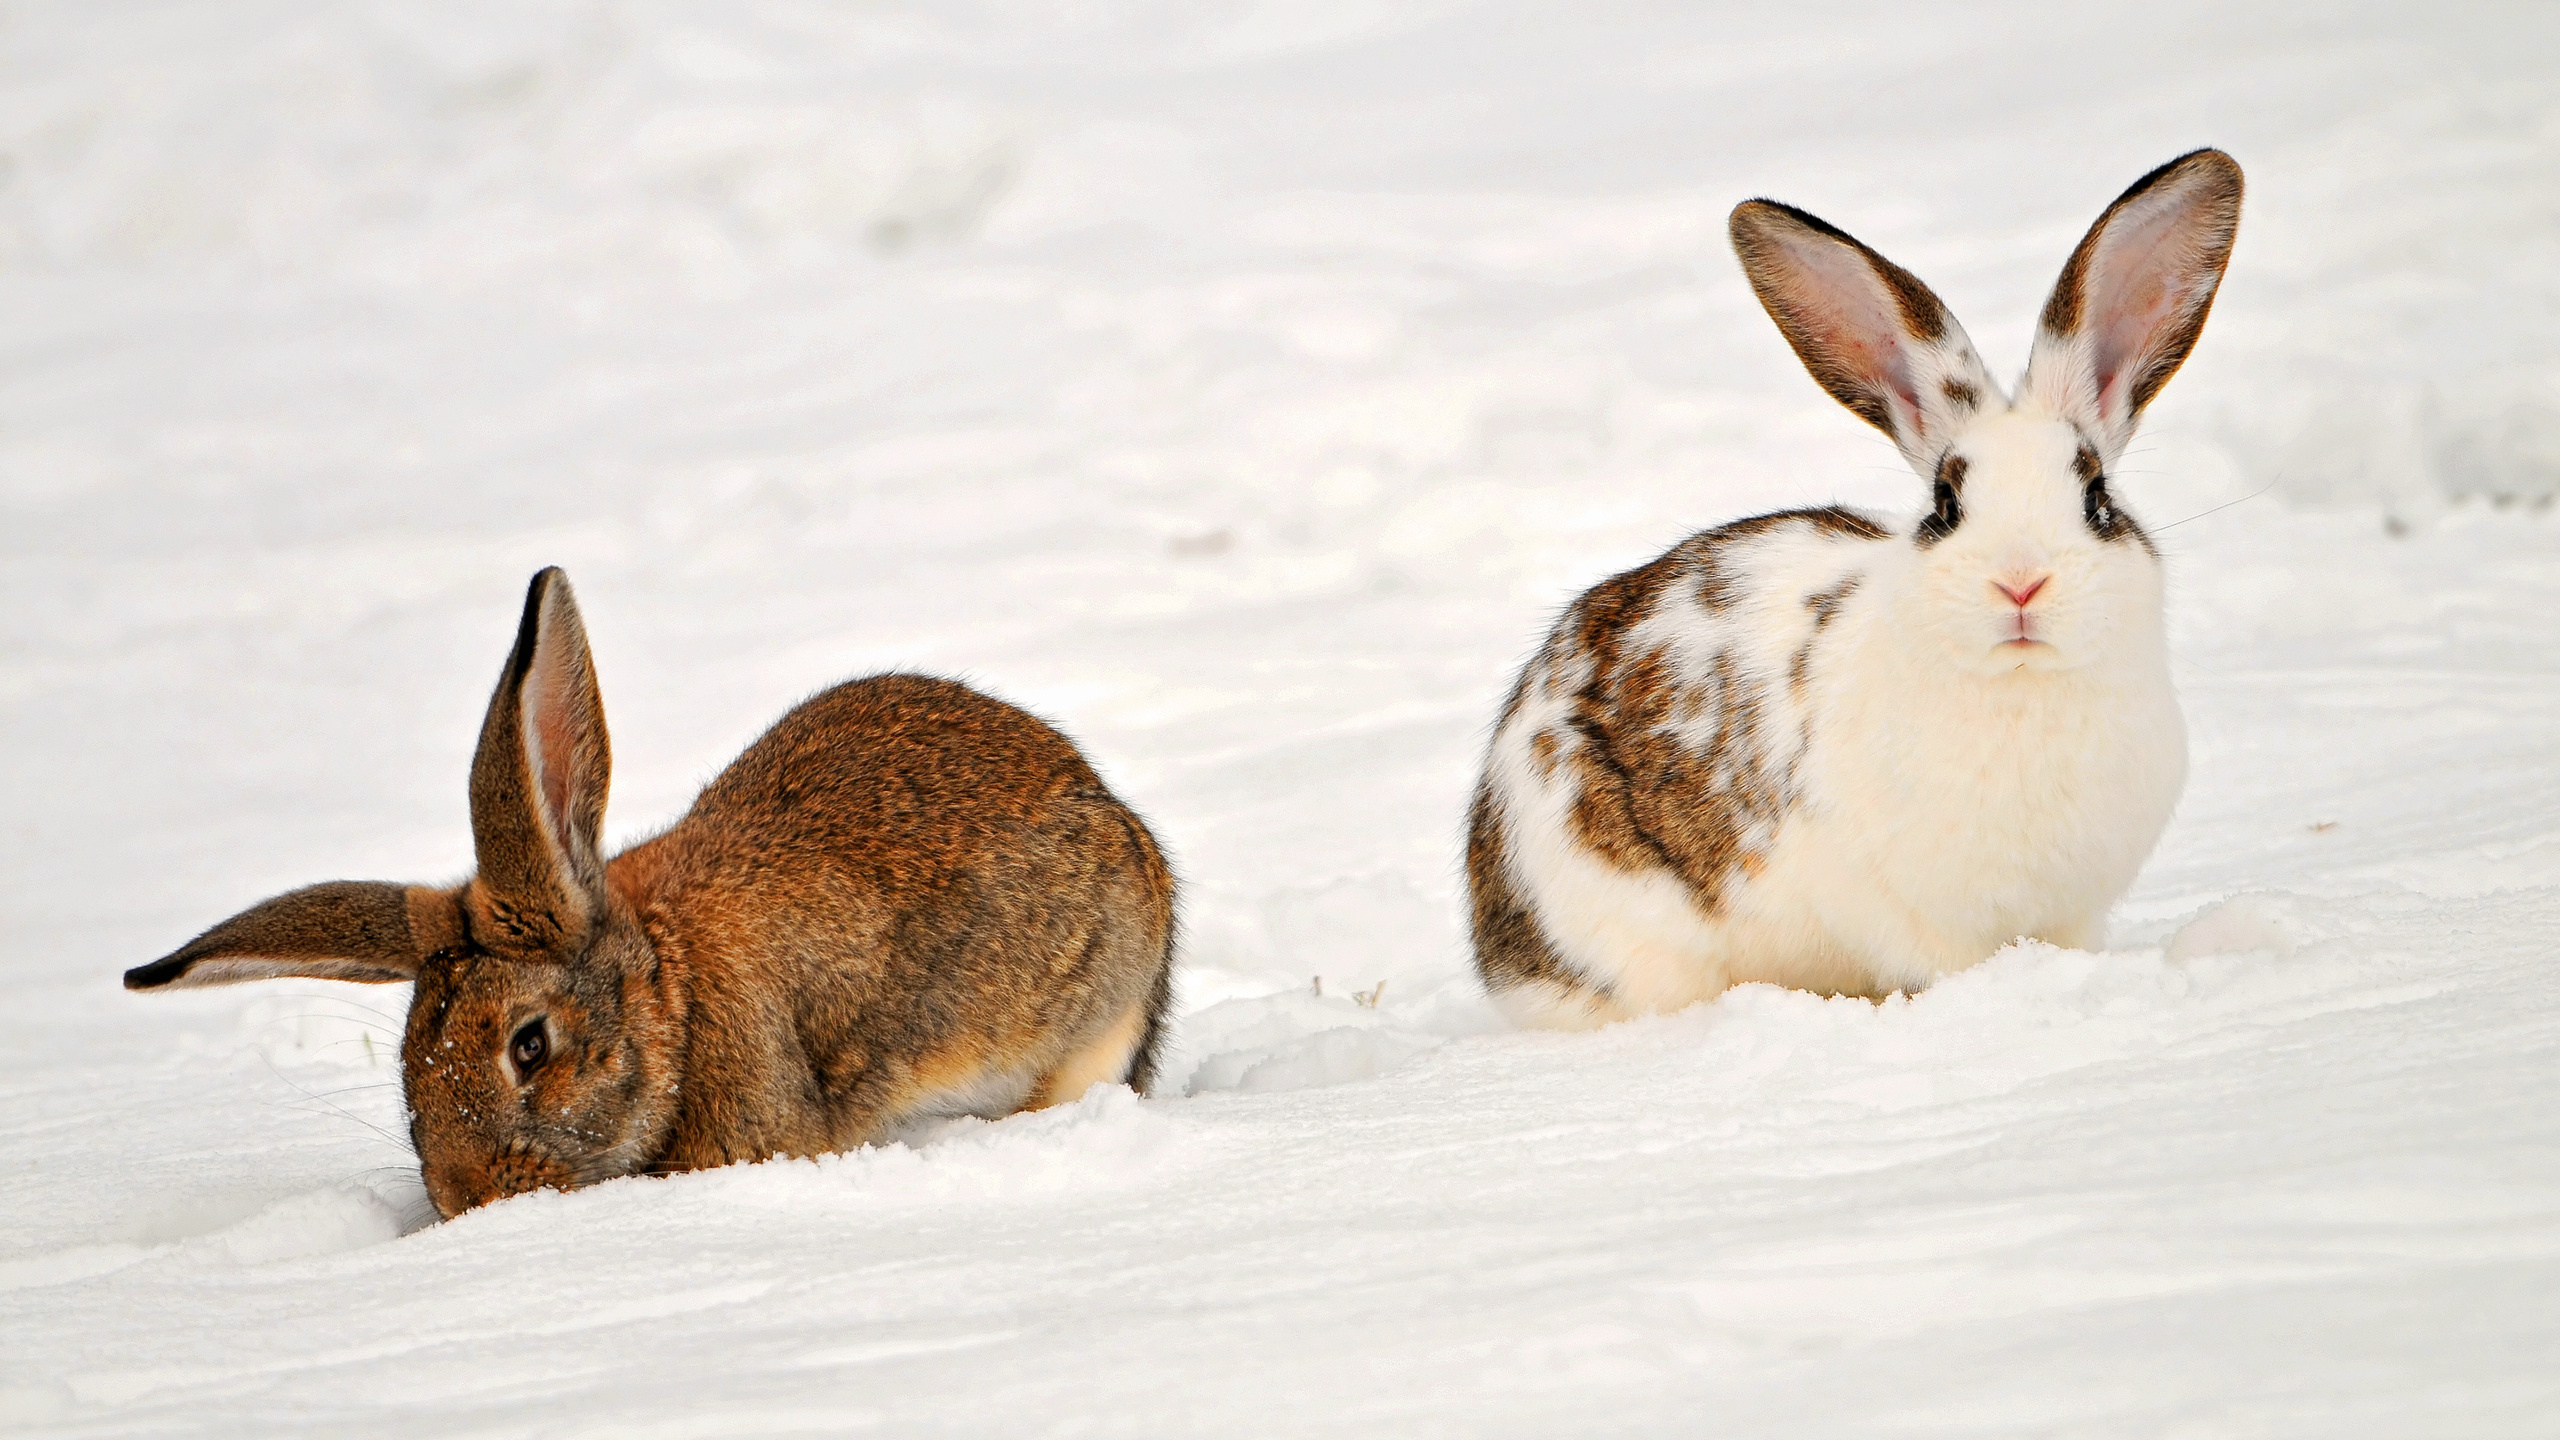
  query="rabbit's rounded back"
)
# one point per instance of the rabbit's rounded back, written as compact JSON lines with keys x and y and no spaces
{"x":906,"y":899}
{"x":1831,"y":750}
{"x":1004,"y":923}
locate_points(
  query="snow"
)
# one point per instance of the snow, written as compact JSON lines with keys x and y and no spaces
{"x":1244,"y":386}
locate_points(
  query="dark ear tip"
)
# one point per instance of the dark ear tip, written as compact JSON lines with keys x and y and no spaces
{"x":1761,"y":216}
{"x":549,"y":592}
{"x":2193,"y":164}
{"x":540,"y":585}
{"x":544,"y":581}
{"x":1760,"y":210}
{"x":156,"y":974}
{"x":529,"y":625}
{"x":2224,"y":168}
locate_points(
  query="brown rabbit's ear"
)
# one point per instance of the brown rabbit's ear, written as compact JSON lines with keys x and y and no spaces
{"x":538,"y":780}
{"x":344,"y":930}
{"x":1880,"y":341}
{"x":2133,"y":297}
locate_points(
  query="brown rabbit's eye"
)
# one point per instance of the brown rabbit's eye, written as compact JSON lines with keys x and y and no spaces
{"x":530,"y":1048}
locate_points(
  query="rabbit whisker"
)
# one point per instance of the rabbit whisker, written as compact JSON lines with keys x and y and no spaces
{"x":2225,"y":505}
{"x":340,"y":1110}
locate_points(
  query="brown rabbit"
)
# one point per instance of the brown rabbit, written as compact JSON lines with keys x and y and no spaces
{"x":905,"y":900}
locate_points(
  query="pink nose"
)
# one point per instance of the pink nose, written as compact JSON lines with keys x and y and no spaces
{"x":2019,"y":595}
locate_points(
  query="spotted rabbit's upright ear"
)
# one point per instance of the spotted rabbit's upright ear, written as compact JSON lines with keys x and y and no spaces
{"x":344,"y":930}
{"x":1870,"y":332}
{"x":2133,"y":297}
{"x":538,"y":785}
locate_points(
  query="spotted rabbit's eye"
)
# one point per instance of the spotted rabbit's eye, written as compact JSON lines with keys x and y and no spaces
{"x":1946,"y":502}
{"x":529,"y":1049}
{"x":1944,"y":515}
{"x":2099,"y":508}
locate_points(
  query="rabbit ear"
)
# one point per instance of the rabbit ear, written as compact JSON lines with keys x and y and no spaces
{"x":2134,"y":295}
{"x":344,"y":930}
{"x":538,"y":780}
{"x":1870,"y":332}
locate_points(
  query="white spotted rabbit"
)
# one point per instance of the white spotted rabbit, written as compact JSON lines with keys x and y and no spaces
{"x":1849,"y":754}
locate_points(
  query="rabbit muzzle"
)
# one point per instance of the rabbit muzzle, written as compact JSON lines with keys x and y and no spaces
{"x":456,"y":1185}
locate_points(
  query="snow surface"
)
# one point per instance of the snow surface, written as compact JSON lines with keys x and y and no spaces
{"x":1243,"y":385}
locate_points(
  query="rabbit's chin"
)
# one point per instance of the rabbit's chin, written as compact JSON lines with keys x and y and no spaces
{"x":2014,"y":656}
{"x":1992,"y":648}
{"x":1997,"y":653}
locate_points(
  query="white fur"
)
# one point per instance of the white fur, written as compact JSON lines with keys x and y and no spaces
{"x":1945,"y":792}
{"x":1982,"y":743}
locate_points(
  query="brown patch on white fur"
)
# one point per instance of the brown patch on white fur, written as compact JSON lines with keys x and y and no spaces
{"x":1512,"y":953}
{"x":1543,"y":750}
{"x":1670,"y":771}
{"x":1823,"y":605}
{"x":1648,"y":795}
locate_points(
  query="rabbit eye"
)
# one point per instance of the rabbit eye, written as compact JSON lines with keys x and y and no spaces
{"x":2096,"y":505}
{"x":1946,"y":510}
{"x":529,"y":1049}
{"x":1949,"y":510}
{"x":2101,"y":508}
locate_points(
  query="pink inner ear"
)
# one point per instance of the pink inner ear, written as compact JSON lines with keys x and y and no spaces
{"x":2142,"y":277}
{"x":551,"y":738}
{"x":559,"y":753}
{"x":1848,"y":312}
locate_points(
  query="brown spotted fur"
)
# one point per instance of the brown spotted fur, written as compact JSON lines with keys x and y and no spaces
{"x":906,"y":898}
{"x":1645,"y":798}
{"x":1510,"y":951}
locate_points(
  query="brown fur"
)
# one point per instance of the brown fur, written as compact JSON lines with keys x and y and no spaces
{"x":342,"y":930}
{"x":904,"y":898}
{"x":1104,"y":1060}
{"x":1510,"y":949}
